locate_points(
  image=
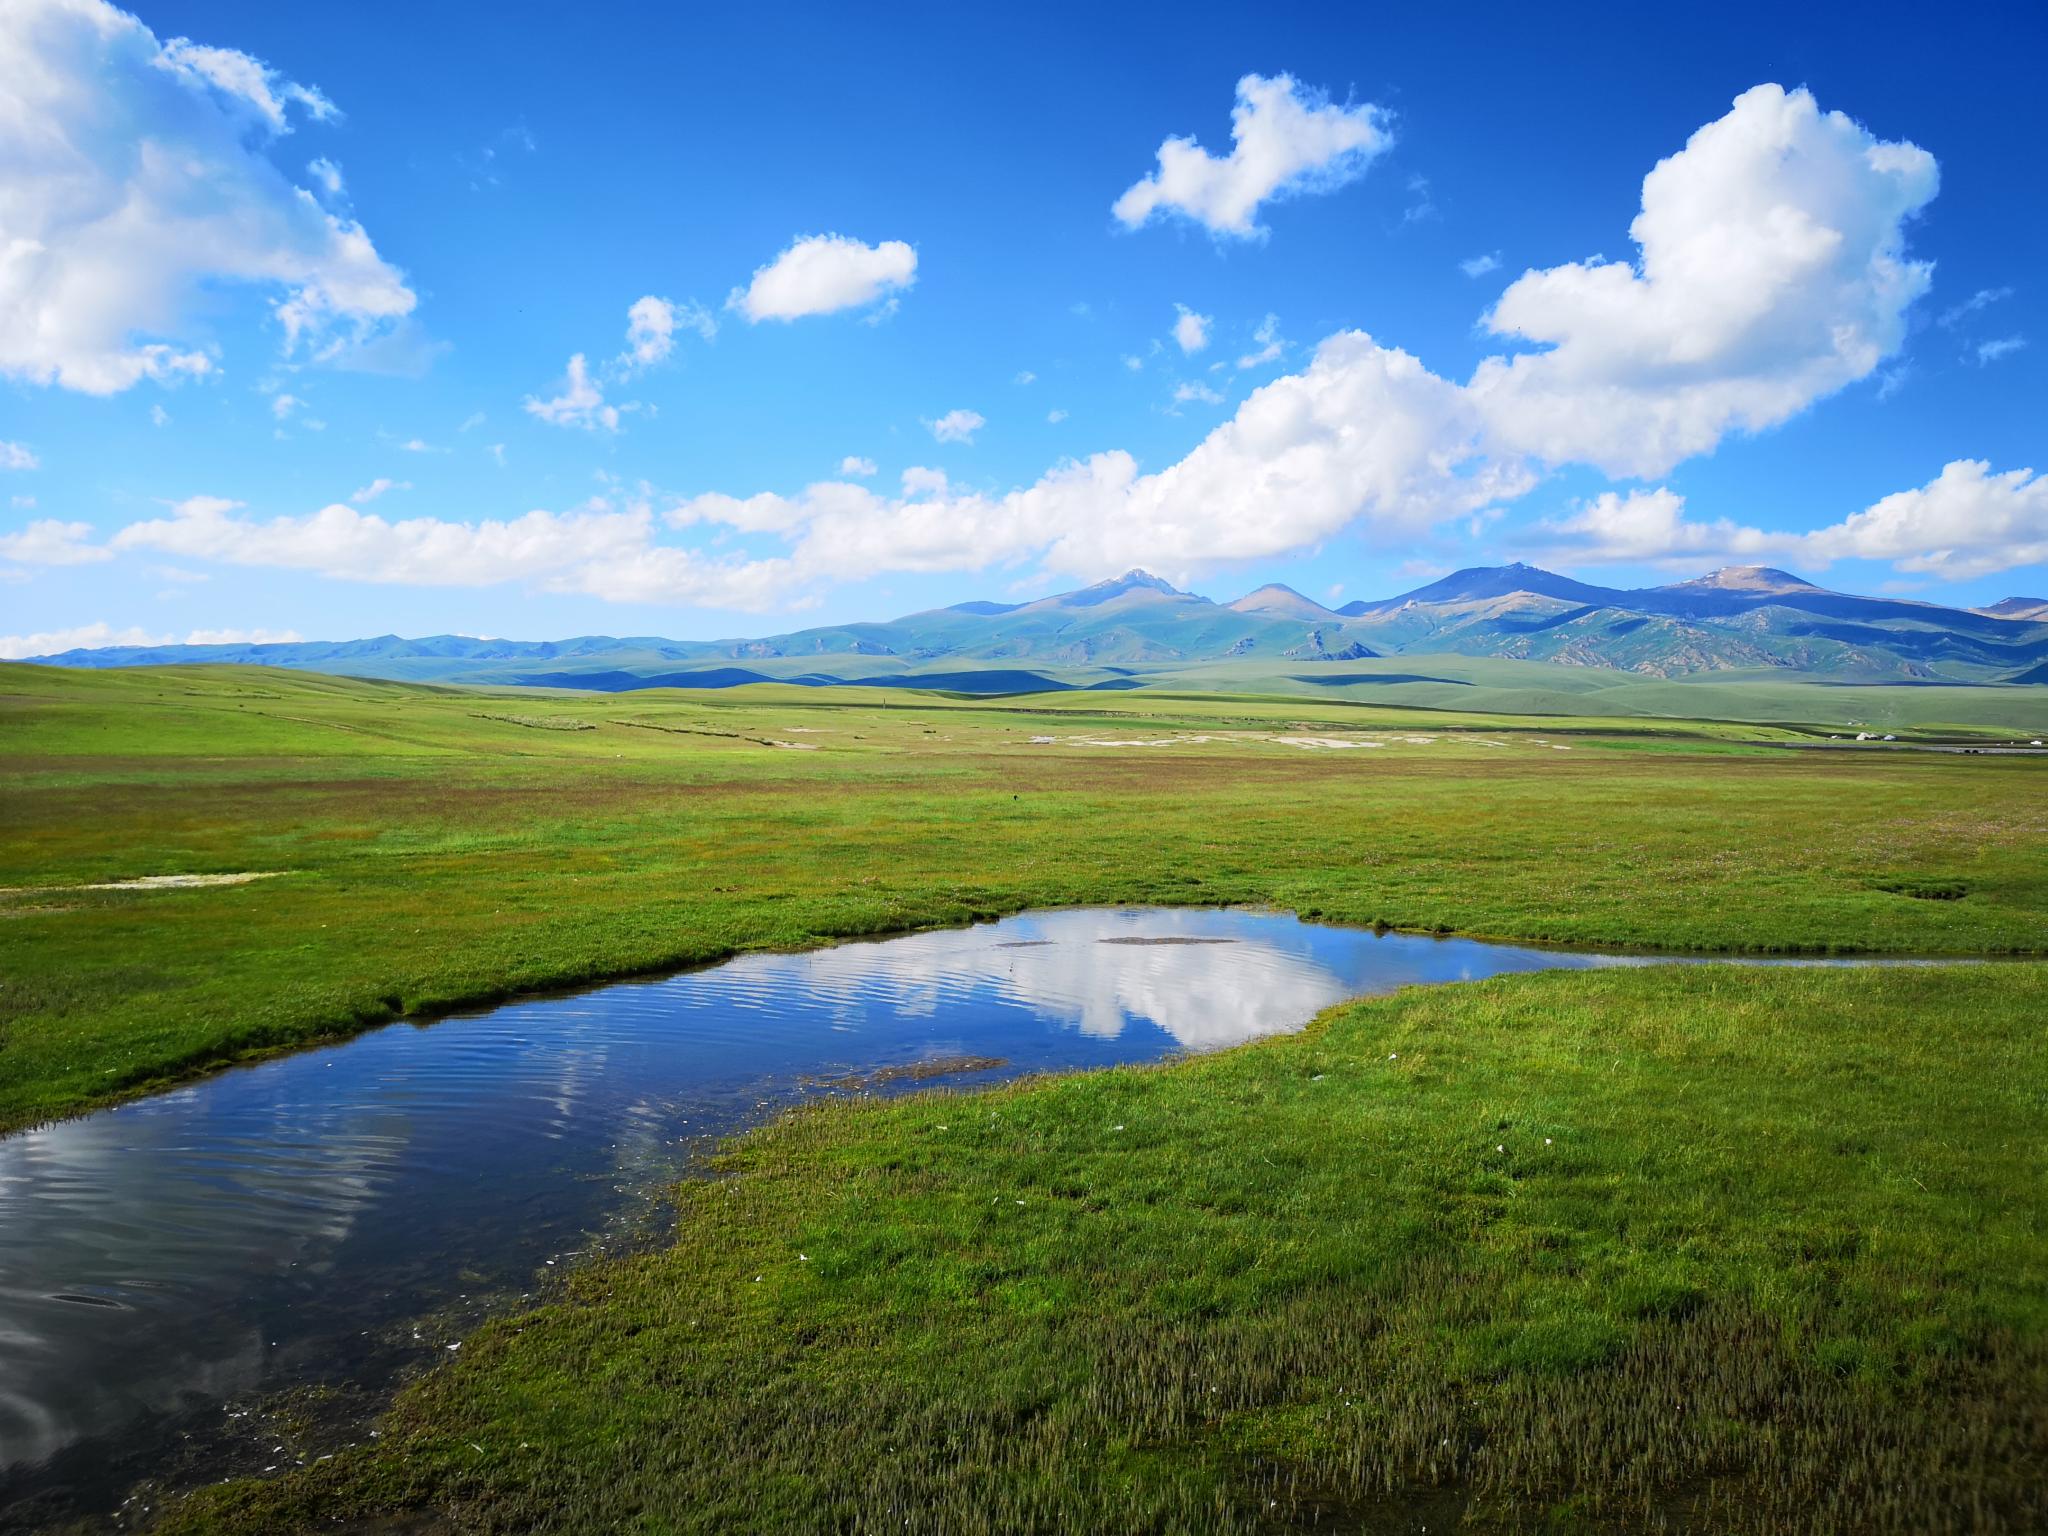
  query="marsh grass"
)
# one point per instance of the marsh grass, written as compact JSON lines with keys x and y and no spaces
{"x":1578,"y":1252}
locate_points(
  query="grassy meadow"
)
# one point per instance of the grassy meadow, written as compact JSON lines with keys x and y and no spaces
{"x":1709,"y":1250}
{"x":436,"y":847}
{"x":1737,"y":1251}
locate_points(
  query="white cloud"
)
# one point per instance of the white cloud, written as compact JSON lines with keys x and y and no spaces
{"x":854,"y":464}
{"x":94,"y":637}
{"x":472,"y":421}
{"x":17,"y":456}
{"x":22,"y":503}
{"x":1133,"y":362}
{"x":651,"y":325}
{"x":1055,"y":417}
{"x":136,"y":176}
{"x":50,"y":542}
{"x":497,"y":453}
{"x":1027,"y":377}
{"x":1363,"y":432}
{"x":580,"y":404}
{"x":158,"y":416}
{"x":243,"y":637}
{"x":247,"y":81}
{"x":2004,"y":346}
{"x":1771,"y":274}
{"x":1183,"y":393}
{"x":1650,"y":527}
{"x":1190,"y":330}
{"x":1964,"y":523}
{"x":598,"y":549}
{"x":650,"y":331}
{"x":1287,"y":140}
{"x":327,"y":174}
{"x":1479,"y":266}
{"x":819,"y":274}
{"x":378,"y":487}
{"x":1420,"y":208}
{"x":1983,"y":298}
{"x":86,"y":637}
{"x":281,"y":406}
{"x":957,"y":426}
{"x":1270,"y":344}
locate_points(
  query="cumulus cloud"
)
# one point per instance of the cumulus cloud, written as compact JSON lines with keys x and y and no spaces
{"x":957,"y":426}
{"x":854,"y":464}
{"x":1650,"y":527}
{"x":1479,"y":266}
{"x":1055,"y":417}
{"x":1190,"y":330}
{"x":95,"y":637}
{"x":1183,"y":393}
{"x":819,"y":274}
{"x":581,"y":402}
{"x":1965,"y":523}
{"x":136,"y":176}
{"x":243,"y":637}
{"x":281,"y":406}
{"x":51,"y":542}
{"x":1772,"y":273}
{"x":1287,"y":139}
{"x":651,"y":325}
{"x":85,"y":637}
{"x":599,"y":549}
{"x":1363,"y":432}
{"x":17,"y":456}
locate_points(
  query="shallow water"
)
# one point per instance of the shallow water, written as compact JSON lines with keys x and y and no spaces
{"x":339,"y":1217}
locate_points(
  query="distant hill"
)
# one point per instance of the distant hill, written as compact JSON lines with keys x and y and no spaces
{"x":2017,"y":608}
{"x":1741,"y":620}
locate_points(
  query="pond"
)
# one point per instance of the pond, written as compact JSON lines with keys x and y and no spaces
{"x":327,"y":1222}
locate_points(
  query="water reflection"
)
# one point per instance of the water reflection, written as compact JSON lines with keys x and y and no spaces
{"x":284,"y":1224}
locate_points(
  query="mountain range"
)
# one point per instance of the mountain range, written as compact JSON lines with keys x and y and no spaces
{"x":1745,"y":620}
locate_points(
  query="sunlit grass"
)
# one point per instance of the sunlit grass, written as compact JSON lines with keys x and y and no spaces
{"x":1729,"y":1251}
{"x":440,"y":857}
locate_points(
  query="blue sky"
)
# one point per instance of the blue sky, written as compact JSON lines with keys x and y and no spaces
{"x":289,"y":314}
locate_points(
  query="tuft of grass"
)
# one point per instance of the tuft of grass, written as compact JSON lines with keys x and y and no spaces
{"x":1658,"y":1250}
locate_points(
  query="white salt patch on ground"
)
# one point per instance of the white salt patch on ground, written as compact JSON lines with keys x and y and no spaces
{"x":152,"y":882}
{"x":180,"y":882}
{"x":795,"y":746}
{"x":1330,"y":742}
{"x":1165,"y":741}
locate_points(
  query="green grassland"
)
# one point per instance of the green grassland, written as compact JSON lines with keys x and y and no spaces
{"x":1728,"y":1251}
{"x":1679,"y":1248}
{"x":439,"y":848}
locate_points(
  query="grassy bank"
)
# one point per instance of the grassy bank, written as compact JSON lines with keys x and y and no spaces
{"x":1728,"y":1251}
{"x":443,"y":847}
